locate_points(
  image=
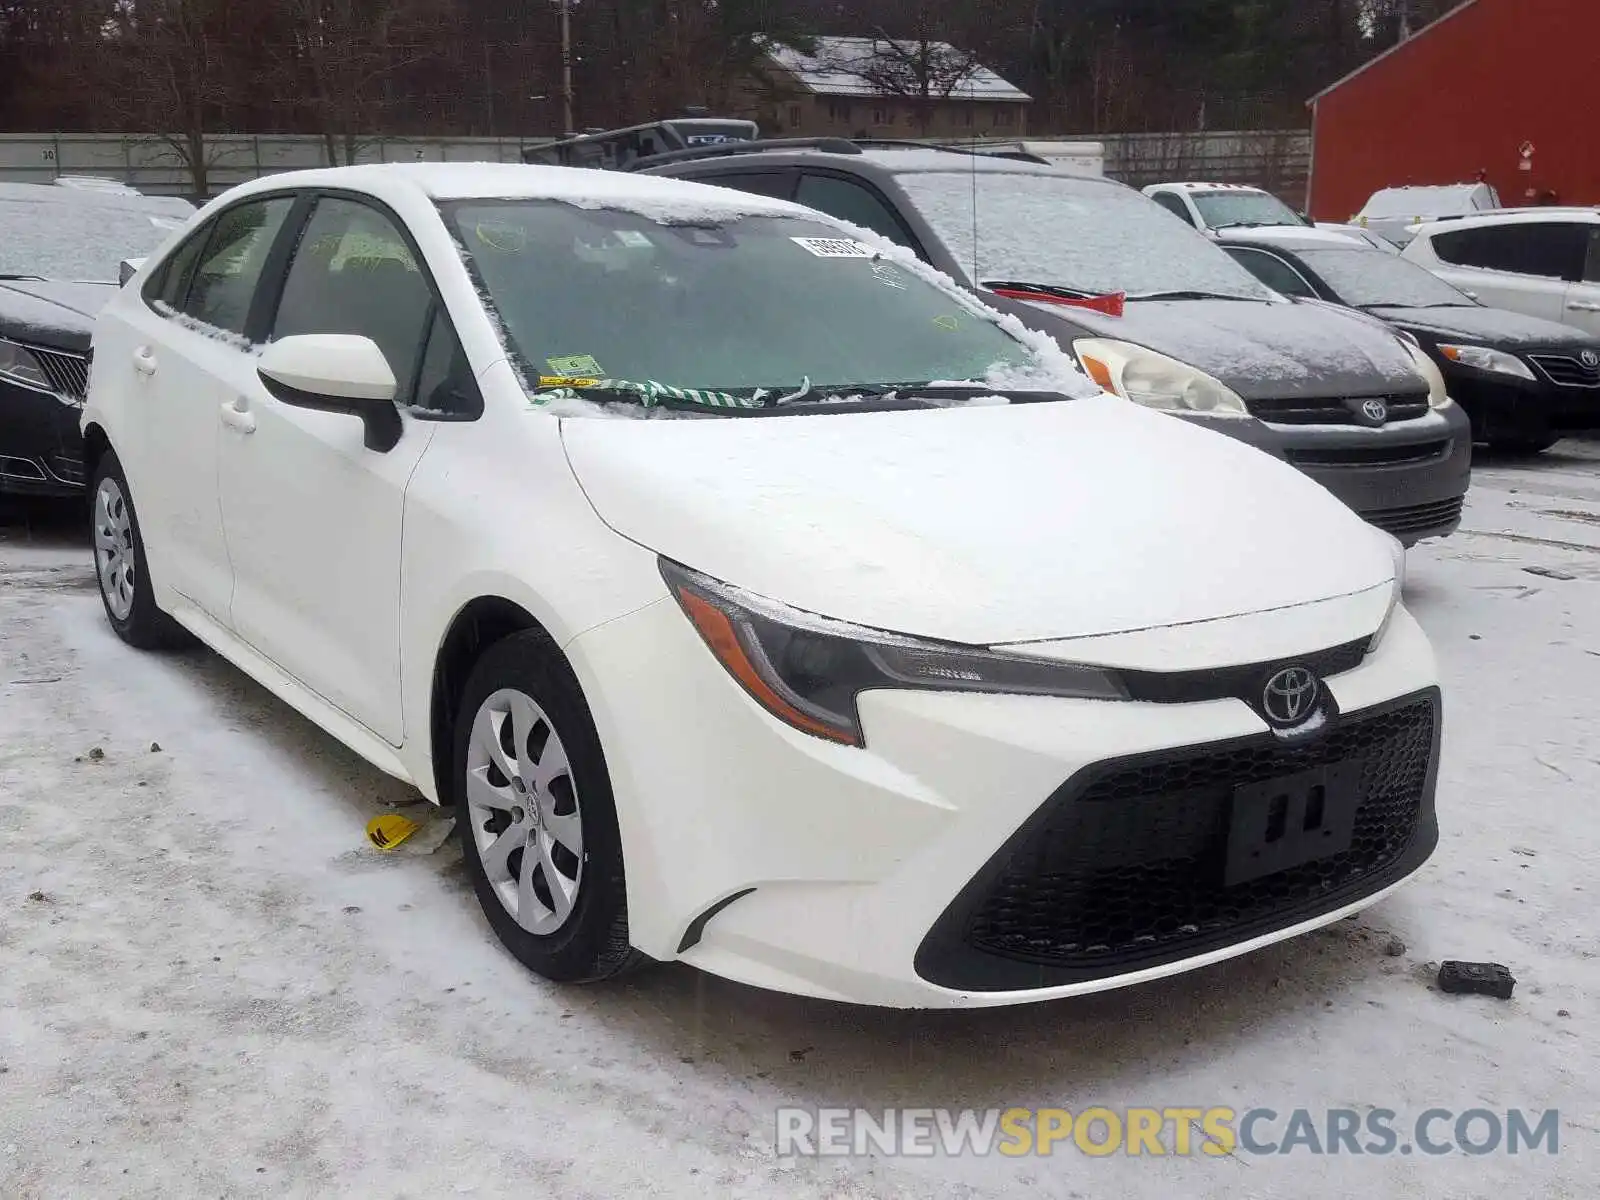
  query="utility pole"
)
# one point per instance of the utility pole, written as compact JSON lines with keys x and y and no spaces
{"x":566,"y":68}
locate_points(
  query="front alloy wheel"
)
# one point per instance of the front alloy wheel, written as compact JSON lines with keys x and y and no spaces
{"x":534,"y":810}
{"x":113,"y":548}
{"x":523,"y":811}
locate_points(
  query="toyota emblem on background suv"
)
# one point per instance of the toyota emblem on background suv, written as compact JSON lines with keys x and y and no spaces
{"x":1290,"y":697}
{"x":1375,"y":411}
{"x":1590,"y":359}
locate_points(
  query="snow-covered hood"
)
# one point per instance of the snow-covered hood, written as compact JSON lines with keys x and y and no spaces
{"x":52,"y":313}
{"x":982,"y":525}
{"x":1496,"y":327}
{"x":1263,"y":351}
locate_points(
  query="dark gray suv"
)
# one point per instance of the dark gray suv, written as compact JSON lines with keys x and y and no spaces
{"x":1344,"y":397}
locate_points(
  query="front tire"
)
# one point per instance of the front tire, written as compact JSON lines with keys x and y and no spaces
{"x":536,"y":817}
{"x":119,"y":562}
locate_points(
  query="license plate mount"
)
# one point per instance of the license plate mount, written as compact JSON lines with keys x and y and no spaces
{"x":1283,"y":823}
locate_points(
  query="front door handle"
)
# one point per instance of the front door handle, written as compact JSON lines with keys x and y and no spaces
{"x":240,"y":420}
{"x":144,"y":361}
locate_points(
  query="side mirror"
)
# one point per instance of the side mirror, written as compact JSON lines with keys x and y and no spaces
{"x":127,"y":269}
{"x":338,"y":373}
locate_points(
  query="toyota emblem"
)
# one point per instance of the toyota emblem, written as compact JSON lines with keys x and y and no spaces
{"x":1375,"y":411}
{"x":1590,"y":359}
{"x":1290,"y":697}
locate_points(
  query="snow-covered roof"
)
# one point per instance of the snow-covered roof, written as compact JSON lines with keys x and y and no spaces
{"x":672,"y":198}
{"x":842,"y":66}
{"x":1204,"y":188}
{"x":1427,"y":200}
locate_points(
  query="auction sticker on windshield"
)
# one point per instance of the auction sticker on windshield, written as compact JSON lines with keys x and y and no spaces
{"x":835,"y":247}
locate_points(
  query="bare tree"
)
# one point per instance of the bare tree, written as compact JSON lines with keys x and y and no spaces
{"x":341,"y":55}
{"x":923,"y":70}
{"x":164,"y":68}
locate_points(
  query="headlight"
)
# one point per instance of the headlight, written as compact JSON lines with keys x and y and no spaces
{"x":1154,"y":380}
{"x":807,"y":671}
{"x":21,"y":365}
{"x":1438,"y":397}
{"x":1481,"y":358}
{"x":1398,"y":551}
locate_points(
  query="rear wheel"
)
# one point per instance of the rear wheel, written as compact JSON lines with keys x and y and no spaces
{"x":119,"y":562}
{"x":534,"y":808}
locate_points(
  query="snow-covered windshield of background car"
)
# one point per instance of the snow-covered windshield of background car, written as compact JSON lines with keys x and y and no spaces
{"x":724,"y":304}
{"x":1373,"y":279}
{"x":1223,"y":210}
{"x":76,"y":238}
{"x":1071,"y":233}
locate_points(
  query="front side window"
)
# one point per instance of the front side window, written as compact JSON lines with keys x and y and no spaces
{"x":225,"y":278}
{"x":1273,"y":271}
{"x":850,"y":202}
{"x":1591,"y":272}
{"x":170,"y":283}
{"x":1243,"y":210}
{"x":1064,"y":231}
{"x":728,"y":305}
{"x":1548,"y":249}
{"x":354,"y":273}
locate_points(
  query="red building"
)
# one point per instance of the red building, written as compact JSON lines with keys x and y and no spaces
{"x":1462,"y":99}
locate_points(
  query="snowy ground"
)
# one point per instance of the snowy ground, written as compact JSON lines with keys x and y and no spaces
{"x":211,"y":986}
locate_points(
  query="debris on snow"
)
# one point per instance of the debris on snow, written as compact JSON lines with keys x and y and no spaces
{"x":1476,"y":979}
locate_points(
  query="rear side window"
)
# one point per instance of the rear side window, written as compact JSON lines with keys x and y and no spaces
{"x":779,"y":184}
{"x":353,"y":272}
{"x":854,"y":203}
{"x":1551,"y":250}
{"x":1174,"y":206}
{"x":170,"y":284}
{"x":230,"y":267}
{"x":1272,"y":271}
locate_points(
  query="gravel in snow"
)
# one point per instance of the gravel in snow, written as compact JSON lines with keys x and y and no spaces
{"x":212,"y":986}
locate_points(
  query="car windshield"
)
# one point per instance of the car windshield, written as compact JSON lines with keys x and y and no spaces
{"x":1072,"y":233}
{"x":76,"y":236}
{"x":1366,"y":278}
{"x":1223,"y":210}
{"x":724,"y":304}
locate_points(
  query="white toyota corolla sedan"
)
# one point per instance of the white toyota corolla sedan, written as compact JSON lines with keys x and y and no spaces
{"x":755,"y":597}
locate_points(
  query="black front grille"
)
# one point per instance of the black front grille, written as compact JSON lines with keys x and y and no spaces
{"x":1123,"y":868}
{"x":68,"y":373}
{"x":1417,"y":518}
{"x":1566,"y":371}
{"x":1381,"y":453}
{"x":1333,"y":410}
{"x":1239,"y":683}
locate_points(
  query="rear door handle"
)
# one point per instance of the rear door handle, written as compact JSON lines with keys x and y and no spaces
{"x":238,"y":419}
{"x":1583,"y":306}
{"x":144,"y":361}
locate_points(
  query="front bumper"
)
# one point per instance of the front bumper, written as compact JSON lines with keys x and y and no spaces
{"x":1409,"y":478}
{"x":1501,"y":406}
{"x":41,"y":449}
{"x":778,"y":860}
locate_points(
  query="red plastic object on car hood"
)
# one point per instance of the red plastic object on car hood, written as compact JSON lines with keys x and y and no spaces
{"x":1111,"y":305}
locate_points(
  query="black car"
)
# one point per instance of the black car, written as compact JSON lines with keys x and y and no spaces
{"x":1524,"y":382}
{"x":1151,"y":309}
{"x":61,"y":250}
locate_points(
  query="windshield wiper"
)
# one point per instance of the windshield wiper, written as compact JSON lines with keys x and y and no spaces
{"x":1189,"y":295}
{"x":30,"y":278}
{"x":1048,"y":289}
